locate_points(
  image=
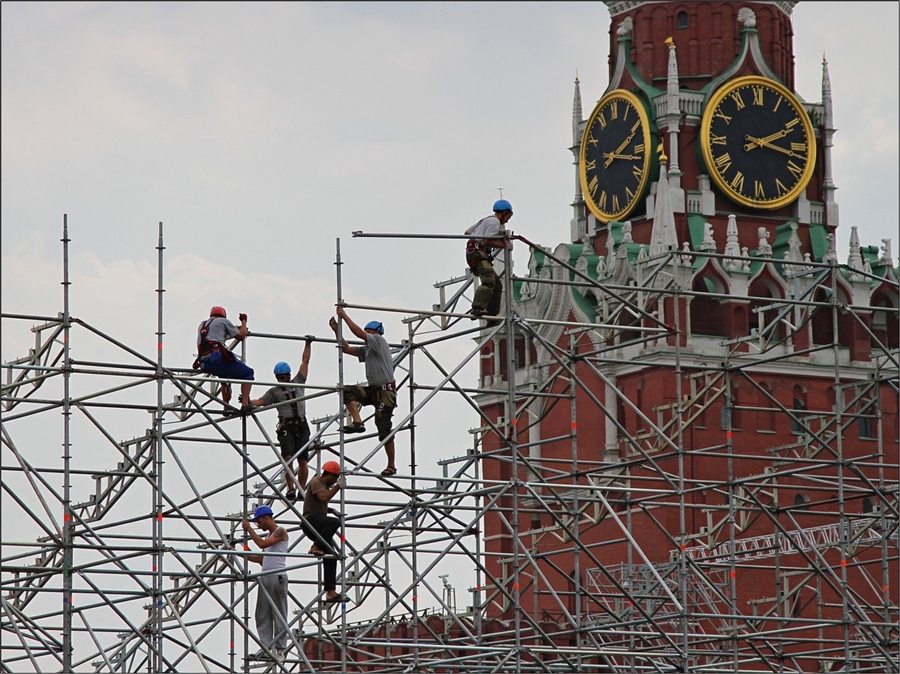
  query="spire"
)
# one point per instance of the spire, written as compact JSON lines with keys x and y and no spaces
{"x":826,"y":95}
{"x":662,"y":236}
{"x":854,"y":260}
{"x":672,"y":75}
{"x":673,"y":107}
{"x":577,"y":112}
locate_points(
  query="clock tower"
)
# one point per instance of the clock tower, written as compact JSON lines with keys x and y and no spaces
{"x":716,"y":82}
{"x":696,"y":380}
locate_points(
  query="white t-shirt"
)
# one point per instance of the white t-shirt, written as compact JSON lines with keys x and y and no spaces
{"x":489,"y":226}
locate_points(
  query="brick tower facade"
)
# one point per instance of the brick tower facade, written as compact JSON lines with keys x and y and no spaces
{"x":698,"y":423}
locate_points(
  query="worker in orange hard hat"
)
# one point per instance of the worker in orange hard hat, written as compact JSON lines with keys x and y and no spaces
{"x":215,"y":358}
{"x":320,"y":526}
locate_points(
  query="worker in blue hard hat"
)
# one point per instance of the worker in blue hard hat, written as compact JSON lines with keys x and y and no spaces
{"x":487,"y":235}
{"x":380,"y":391}
{"x":293,"y":429}
{"x":272,"y":595}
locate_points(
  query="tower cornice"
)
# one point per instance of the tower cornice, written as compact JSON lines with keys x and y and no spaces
{"x":617,"y":7}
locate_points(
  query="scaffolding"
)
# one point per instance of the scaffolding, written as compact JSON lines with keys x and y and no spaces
{"x":574,"y":515}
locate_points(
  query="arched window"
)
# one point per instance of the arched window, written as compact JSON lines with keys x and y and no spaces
{"x":801,"y":499}
{"x":706,"y":310}
{"x":865,"y":423}
{"x":763,"y":294}
{"x":798,"y":404}
{"x":822,"y":320}
{"x":868,"y":505}
{"x":682,"y":20}
{"x":766,"y":418}
{"x":884,"y":322}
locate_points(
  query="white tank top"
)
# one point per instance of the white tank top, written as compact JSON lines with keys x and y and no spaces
{"x":272,"y":561}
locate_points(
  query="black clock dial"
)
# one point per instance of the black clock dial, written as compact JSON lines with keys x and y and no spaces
{"x":614,"y":163}
{"x":758,"y":143}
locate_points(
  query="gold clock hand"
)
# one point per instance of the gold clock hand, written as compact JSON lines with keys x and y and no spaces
{"x":613,"y":155}
{"x":762,"y":142}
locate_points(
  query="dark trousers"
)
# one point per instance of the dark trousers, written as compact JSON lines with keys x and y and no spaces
{"x":490,"y":292}
{"x":326,"y":526}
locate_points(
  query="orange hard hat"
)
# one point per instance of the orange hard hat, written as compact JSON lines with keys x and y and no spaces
{"x":331,"y":467}
{"x":218,"y":311}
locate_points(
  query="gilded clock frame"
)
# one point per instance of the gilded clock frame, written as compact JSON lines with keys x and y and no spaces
{"x":646,"y":161}
{"x":706,"y":149}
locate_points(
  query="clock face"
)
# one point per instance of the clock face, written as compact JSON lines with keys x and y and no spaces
{"x":758,"y":143}
{"x":614,"y":162}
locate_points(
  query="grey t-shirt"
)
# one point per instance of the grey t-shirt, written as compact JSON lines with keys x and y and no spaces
{"x":278,"y":394}
{"x":376,"y":354}
{"x":220,"y":329}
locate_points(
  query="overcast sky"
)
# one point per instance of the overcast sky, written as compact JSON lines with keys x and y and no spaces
{"x":260,"y":133}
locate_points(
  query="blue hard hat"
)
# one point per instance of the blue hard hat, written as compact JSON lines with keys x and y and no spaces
{"x":261,"y":511}
{"x":375,"y":325}
{"x":502,"y":205}
{"x":282,"y":368}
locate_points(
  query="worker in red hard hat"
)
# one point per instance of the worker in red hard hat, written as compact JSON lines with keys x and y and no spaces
{"x":320,"y":526}
{"x":215,"y":358}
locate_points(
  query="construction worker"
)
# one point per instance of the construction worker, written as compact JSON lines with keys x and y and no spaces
{"x":380,"y":391}
{"x":320,"y":526}
{"x":215,"y":358}
{"x":272,"y":595}
{"x":478,"y":256}
{"x":293,"y":429}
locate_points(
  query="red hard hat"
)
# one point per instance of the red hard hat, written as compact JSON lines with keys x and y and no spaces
{"x":218,"y":311}
{"x":331,"y":467}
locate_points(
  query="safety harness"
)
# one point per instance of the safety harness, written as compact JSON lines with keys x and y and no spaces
{"x":207,"y":347}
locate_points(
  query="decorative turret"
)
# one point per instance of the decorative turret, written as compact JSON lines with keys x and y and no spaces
{"x":832,"y":212}
{"x":662,"y":237}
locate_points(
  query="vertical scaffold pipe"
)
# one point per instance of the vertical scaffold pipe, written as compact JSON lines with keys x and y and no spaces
{"x":156,"y":625}
{"x":513,"y":444}
{"x":68,"y":524}
{"x":343,"y":499}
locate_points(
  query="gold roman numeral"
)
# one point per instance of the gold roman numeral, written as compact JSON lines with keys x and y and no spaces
{"x":777,"y":103}
{"x":616,"y":207}
{"x":758,"y":95}
{"x":723,"y":162}
{"x":793,"y":168}
{"x":637,"y":172}
{"x":601,"y":202}
{"x":614,"y":110}
{"x":639,"y":149}
{"x":738,"y":101}
{"x":592,"y":140}
{"x":716,"y":140}
{"x":590,"y":165}
{"x":781,"y":188}
{"x":798,"y":147}
{"x":758,"y":191}
{"x":737,"y":183}
{"x":629,"y":194}
{"x":593,"y":185}
{"x":720,"y":115}
{"x":602,"y":120}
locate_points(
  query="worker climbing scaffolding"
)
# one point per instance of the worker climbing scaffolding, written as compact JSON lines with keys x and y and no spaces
{"x":215,"y":358}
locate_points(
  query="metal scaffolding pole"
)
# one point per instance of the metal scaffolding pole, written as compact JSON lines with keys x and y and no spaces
{"x":598,"y":532}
